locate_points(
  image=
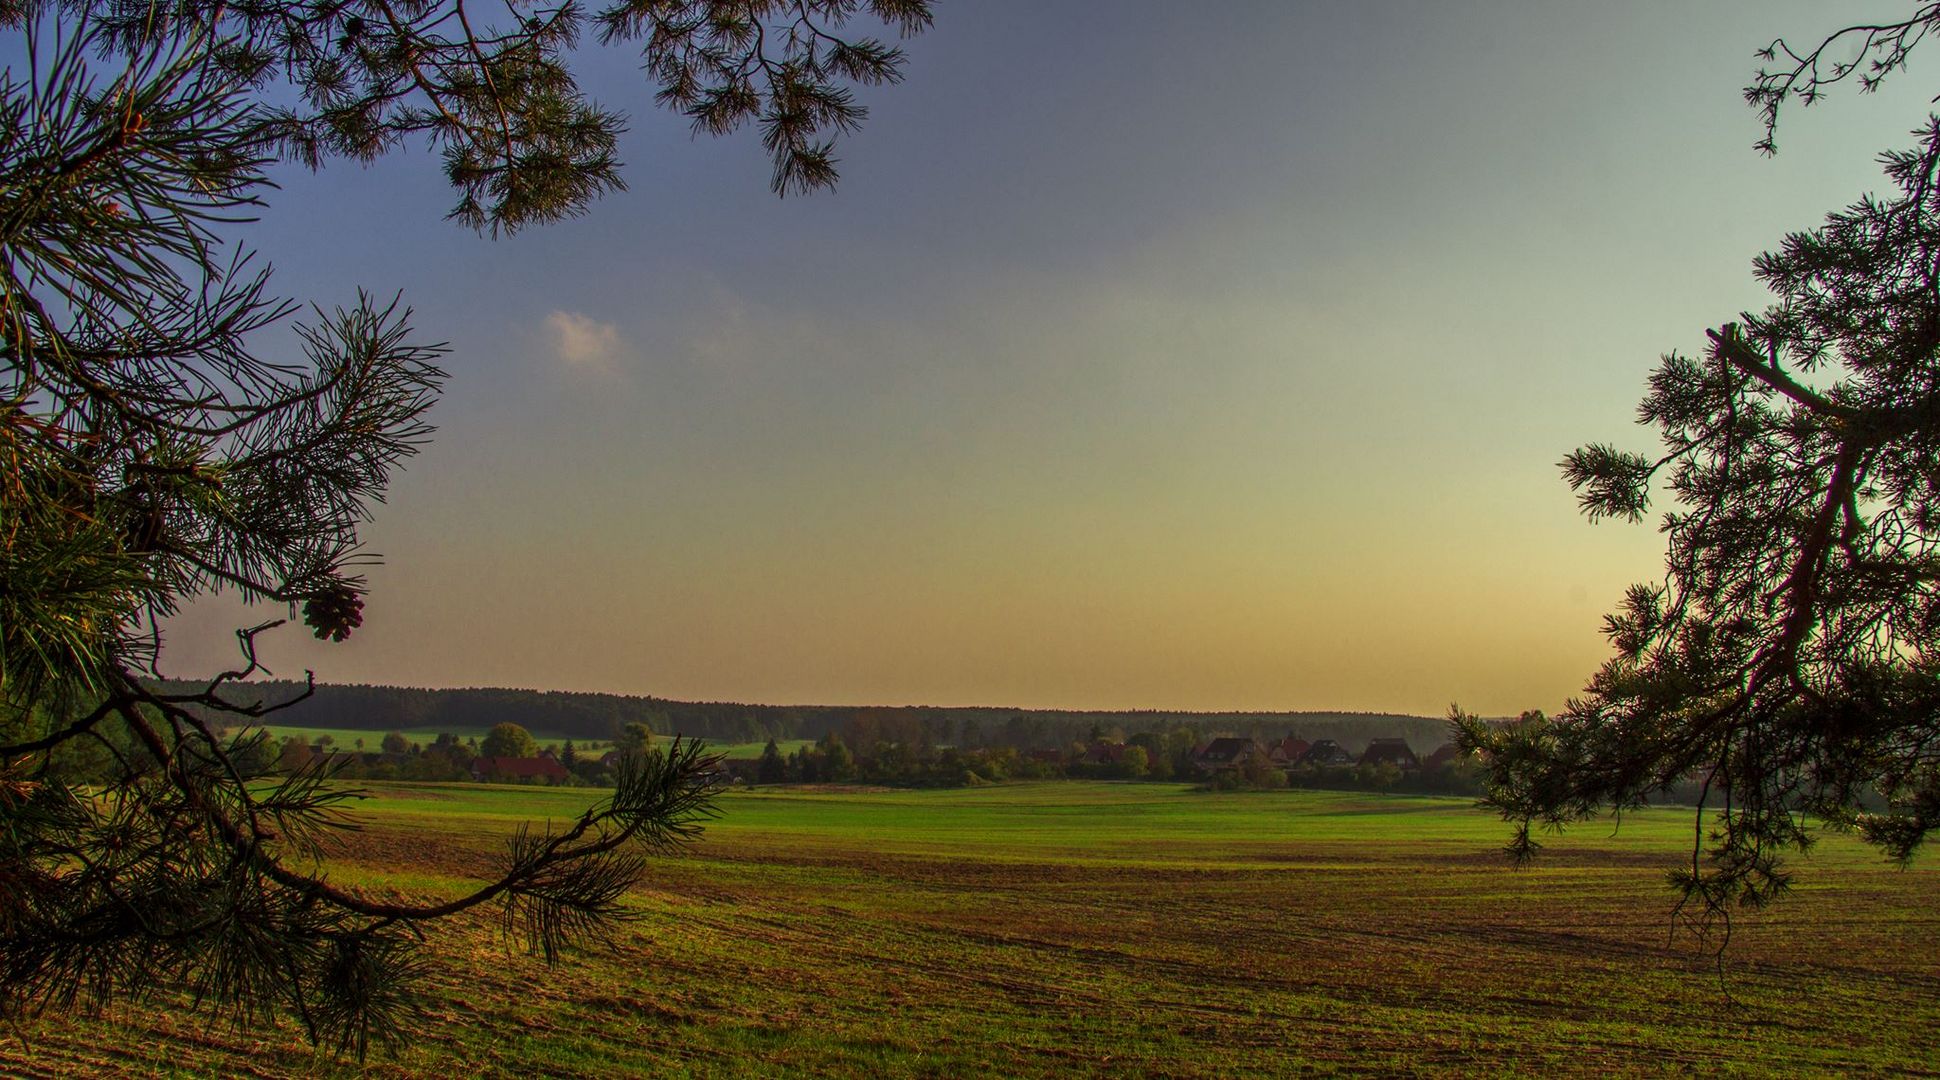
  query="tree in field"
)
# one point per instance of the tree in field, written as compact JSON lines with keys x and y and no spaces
{"x":771,"y":769}
{"x":170,"y":429}
{"x":508,"y":740}
{"x":1260,"y":771}
{"x":635,"y":738}
{"x":836,"y":762}
{"x":293,"y":757}
{"x":1790,"y":659}
{"x":446,"y":757}
{"x":1377,"y":776}
{"x":1158,"y":767}
{"x":395,"y":743}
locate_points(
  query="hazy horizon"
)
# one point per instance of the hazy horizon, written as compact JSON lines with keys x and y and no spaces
{"x":990,"y":706}
{"x":1195,"y":360}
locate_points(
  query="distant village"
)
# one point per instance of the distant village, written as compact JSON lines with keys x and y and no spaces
{"x":509,"y":755}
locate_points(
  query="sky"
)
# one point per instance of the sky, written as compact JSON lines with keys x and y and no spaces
{"x":1149,"y":355}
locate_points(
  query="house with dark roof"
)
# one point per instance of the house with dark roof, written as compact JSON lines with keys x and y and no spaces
{"x":1326,"y":752}
{"x":1390,"y":751}
{"x":544,"y":769}
{"x":1443,"y":754}
{"x":1104,"y":753}
{"x":1227,"y":752}
{"x":1395,"y":752}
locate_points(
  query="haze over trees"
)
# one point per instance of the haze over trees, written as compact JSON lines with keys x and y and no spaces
{"x":157,"y":451}
{"x":608,"y":716}
{"x":1790,"y":659}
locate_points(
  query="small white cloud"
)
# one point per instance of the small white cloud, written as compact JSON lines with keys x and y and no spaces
{"x":584,"y":343}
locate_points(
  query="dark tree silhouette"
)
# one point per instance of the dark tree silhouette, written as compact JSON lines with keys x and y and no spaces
{"x":1791,"y":658}
{"x":155,"y":451}
{"x":495,"y":93}
{"x":1865,"y":53}
{"x":771,"y":769}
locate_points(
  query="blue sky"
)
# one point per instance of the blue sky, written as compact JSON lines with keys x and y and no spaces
{"x":1149,"y":355}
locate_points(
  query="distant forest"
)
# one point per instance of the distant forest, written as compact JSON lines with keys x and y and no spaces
{"x":602,"y":716}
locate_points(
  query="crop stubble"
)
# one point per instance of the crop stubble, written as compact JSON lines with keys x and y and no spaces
{"x":1035,"y":930}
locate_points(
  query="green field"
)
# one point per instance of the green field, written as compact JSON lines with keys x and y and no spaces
{"x":752,"y":750}
{"x":1123,"y":929}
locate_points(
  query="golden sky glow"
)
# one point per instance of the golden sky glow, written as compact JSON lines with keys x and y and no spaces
{"x":1212,"y":359}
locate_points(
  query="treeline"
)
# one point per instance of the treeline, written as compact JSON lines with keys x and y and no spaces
{"x":1171,"y":755}
{"x":582,"y":716}
{"x":603,"y":716}
{"x":448,"y":757}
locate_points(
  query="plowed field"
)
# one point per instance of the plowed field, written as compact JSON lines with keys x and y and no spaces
{"x":1121,"y":929}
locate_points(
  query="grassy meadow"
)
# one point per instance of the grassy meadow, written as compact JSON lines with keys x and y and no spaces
{"x":1123,"y":929}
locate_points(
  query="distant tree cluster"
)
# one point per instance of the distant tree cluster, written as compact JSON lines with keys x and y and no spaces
{"x":1457,"y":776}
{"x":893,"y":746}
{"x":508,"y":740}
{"x":1176,"y":753}
{"x":446,"y":758}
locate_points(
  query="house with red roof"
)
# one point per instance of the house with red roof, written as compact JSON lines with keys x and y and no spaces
{"x":1287,"y":751}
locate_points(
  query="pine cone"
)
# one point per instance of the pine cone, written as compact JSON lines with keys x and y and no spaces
{"x":143,"y":532}
{"x":334,"y":611}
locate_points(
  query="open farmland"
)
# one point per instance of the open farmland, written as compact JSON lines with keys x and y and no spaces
{"x":1033,"y":930}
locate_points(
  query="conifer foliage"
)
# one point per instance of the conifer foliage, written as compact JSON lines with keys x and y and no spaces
{"x":171,"y":428}
{"x":522,"y":143}
{"x":1790,"y":659}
